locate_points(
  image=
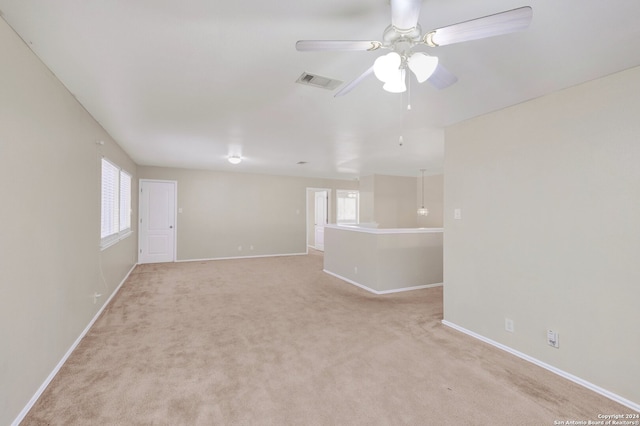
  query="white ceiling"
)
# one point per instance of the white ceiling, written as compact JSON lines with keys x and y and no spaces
{"x":186,"y":83}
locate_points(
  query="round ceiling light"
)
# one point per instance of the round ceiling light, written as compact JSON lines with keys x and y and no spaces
{"x":235,"y":159}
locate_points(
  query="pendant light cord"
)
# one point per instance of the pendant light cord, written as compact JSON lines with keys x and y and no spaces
{"x":422,"y":188}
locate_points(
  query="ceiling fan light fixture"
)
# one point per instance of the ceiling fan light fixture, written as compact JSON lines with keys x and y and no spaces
{"x":422,"y":65}
{"x":405,"y":32}
{"x":234,"y":159}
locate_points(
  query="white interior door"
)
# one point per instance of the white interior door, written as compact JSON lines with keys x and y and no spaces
{"x":321,"y":217}
{"x":157,"y":231}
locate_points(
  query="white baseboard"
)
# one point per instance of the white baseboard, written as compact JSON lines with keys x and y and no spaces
{"x":241,"y":257}
{"x":561,"y":373}
{"x":66,"y":356}
{"x":395,"y":290}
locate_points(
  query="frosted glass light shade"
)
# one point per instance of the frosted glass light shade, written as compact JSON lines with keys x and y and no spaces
{"x":422,"y":65}
{"x":422,"y":211}
{"x":235,"y":159}
{"x":386,"y":67}
{"x":397,"y":83}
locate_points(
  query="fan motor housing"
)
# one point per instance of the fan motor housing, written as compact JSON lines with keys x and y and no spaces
{"x":393,"y":35}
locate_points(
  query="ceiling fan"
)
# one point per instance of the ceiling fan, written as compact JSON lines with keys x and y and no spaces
{"x":404,"y":34}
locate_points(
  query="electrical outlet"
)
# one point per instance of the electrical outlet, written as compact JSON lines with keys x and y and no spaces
{"x":509,"y":325}
{"x":95,"y":297}
{"x":239,"y":248}
{"x":552,"y":339}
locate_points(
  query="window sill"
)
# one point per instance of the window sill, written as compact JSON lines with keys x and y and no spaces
{"x":112,"y":240}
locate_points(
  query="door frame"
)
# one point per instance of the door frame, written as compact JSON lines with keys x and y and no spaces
{"x":310,"y":209}
{"x":175,"y":215}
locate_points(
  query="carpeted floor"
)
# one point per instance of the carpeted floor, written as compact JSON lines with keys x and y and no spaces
{"x":275,"y":341}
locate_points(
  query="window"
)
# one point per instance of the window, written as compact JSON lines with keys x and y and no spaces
{"x":116,"y":204}
{"x":348,"y":206}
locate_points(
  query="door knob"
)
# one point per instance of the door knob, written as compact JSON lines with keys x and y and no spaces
{"x":170,"y":226}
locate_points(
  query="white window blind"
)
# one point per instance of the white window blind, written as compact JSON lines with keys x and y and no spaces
{"x":110,"y":209}
{"x":347,"y":206}
{"x":115,"y":220}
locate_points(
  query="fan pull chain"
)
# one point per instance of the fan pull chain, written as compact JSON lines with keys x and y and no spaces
{"x":408,"y":83}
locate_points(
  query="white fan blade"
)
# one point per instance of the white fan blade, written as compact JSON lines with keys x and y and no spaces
{"x":488,"y":26}
{"x":337,"y":45}
{"x":352,"y":85}
{"x":442,"y":78}
{"x":405,"y":13}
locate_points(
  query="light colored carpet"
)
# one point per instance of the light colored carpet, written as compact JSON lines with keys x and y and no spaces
{"x":275,"y":341}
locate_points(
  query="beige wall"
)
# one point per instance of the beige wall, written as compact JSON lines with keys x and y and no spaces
{"x":366,"y":189}
{"x":393,"y":201}
{"x":50,"y":262}
{"x":223,"y":211}
{"x":384,"y":261}
{"x":549,"y":192}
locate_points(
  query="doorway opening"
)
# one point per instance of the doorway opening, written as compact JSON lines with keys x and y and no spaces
{"x":318,"y":208}
{"x":157,"y":227}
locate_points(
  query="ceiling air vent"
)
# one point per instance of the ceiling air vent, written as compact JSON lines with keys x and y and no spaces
{"x":318,"y":81}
